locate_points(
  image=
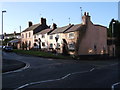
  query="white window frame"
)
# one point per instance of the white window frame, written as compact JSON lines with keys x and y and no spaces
{"x":71,"y":37}
{"x":73,"y":47}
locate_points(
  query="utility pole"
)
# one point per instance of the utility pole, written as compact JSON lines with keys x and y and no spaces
{"x":20,"y":29}
{"x":113,"y":49}
{"x":20,"y":39}
{"x":2,"y":27}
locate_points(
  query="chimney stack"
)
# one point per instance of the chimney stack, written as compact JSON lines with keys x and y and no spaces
{"x":43,"y":21}
{"x":14,"y":32}
{"x":85,"y":18}
{"x":54,"y":26}
{"x":30,"y":23}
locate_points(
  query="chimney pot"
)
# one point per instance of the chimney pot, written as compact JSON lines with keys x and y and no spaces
{"x":43,"y":21}
{"x":87,"y":13}
{"x":14,"y":32}
{"x":30,"y":23}
{"x":54,"y":26}
{"x":85,"y":18}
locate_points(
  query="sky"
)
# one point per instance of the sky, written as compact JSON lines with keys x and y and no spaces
{"x":20,"y":13}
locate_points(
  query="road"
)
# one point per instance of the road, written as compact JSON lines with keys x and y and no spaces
{"x":56,"y":73}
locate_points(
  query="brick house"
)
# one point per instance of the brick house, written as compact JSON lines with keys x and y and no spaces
{"x":27,"y":38}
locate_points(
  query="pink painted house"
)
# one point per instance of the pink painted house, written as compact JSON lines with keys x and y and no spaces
{"x":82,"y":39}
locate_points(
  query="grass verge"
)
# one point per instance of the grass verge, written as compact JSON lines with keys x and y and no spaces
{"x":41,"y":54}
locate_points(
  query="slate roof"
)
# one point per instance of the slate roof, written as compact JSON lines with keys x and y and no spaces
{"x":36,"y":28}
{"x":75,"y":28}
{"x":31,"y":27}
{"x":99,"y":25}
{"x":61,"y":29}
{"x":45,"y":31}
{"x":11,"y":34}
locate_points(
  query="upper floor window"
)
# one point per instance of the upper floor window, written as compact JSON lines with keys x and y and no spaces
{"x":43,"y":36}
{"x":29,"y":34}
{"x":35,"y":36}
{"x":26,"y":35}
{"x":71,"y":35}
{"x":51,"y":37}
{"x":57,"y":36}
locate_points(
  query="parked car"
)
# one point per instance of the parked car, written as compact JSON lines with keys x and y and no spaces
{"x":7,"y":48}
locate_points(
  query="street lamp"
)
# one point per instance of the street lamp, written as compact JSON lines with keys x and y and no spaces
{"x":113,"y":50}
{"x":2,"y":27}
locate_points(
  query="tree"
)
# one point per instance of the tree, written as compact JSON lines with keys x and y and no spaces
{"x":116,"y":34}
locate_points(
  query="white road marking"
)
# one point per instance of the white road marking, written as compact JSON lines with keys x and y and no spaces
{"x":50,"y":59}
{"x":39,"y":82}
{"x":113,"y":86}
{"x":21,"y":69}
{"x":92,"y":69}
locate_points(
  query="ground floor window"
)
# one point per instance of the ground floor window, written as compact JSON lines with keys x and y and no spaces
{"x":43,"y":44}
{"x":58,"y":45}
{"x":71,"y":46}
{"x":51,"y":45}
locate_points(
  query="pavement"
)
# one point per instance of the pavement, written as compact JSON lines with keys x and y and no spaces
{"x":11,"y":65}
{"x":58,"y":73}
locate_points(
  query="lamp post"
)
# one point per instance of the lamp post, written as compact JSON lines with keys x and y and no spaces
{"x":2,"y":27}
{"x":113,"y":49}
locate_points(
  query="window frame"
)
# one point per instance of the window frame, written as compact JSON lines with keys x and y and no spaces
{"x":26,"y":35}
{"x":71,"y":37}
{"x":43,"y":43}
{"x":51,"y":36}
{"x":73,"y":46}
{"x":50,"y":45}
{"x":43,"y":36}
{"x":29,"y":34}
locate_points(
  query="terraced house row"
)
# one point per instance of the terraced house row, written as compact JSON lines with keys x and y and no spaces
{"x":80,"y":39}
